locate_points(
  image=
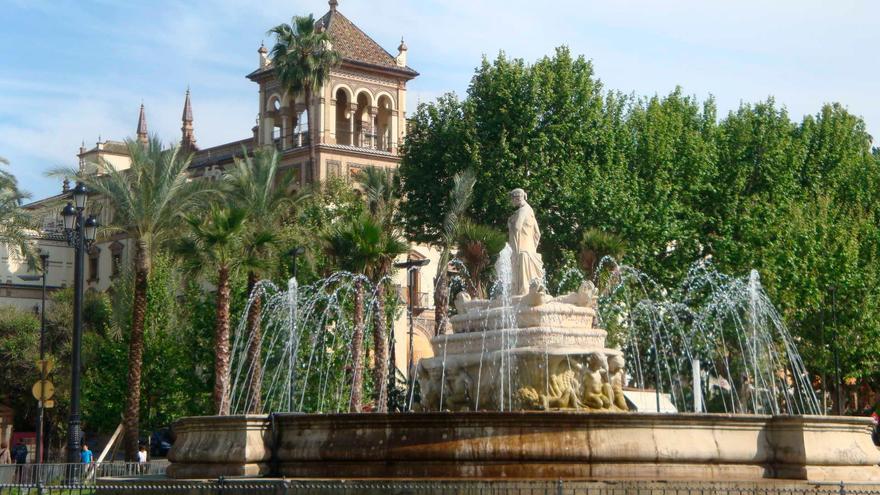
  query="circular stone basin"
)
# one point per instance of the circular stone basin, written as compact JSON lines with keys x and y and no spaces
{"x":557,"y":445}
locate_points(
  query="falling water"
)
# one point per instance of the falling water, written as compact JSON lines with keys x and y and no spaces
{"x":749,"y":362}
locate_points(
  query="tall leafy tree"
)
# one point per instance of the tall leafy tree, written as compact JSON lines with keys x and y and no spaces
{"x":148,"y":202}
{"x":751,"y":190}
{"x":303,"y":57}
{"x":214,"y":244}
{"x":256,"y":186}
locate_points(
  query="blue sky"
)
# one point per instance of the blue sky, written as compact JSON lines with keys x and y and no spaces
{"x":76,"y":70}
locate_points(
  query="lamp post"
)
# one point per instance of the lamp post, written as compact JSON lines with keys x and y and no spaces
{"x":297,"y":251}
{"x":80,"y":234}
{"x":44,"y":265}
{"x":412,"y":268}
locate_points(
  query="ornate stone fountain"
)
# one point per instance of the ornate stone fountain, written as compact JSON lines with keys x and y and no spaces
{"x":524,"y":387}
{"x":523,"y":350}
{"x":534,"y":353}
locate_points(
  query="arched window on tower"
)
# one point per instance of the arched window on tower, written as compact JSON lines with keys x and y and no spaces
{"x":384,"y":134}
{"x":343,"y":117}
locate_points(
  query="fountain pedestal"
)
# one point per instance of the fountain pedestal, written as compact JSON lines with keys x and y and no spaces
{"x":528,"y":353}
{"x":520,"y":445}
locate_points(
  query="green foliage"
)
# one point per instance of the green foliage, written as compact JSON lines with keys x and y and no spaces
{"x":300,"y":56}
{"x":214,"y":241}
{"x":14,"y":221}
{"x":327,"y":204}
{"x":477,"y":246}
{"x":19,"y":351}
{"x":362,"y":245}
{"x":177,"y":378}
{"x":596,"y":245}
{"x":796,"y":201}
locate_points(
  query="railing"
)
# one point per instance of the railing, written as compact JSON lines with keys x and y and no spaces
{"x":462,"y":487}
{"x":364,"y":140}
{"x":51,"y":473}
{"x":422,"y":300}
{"x":297,"y":140}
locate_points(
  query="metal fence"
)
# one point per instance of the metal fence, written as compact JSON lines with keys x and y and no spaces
{"x":75,"y":474}
{"x":458,"y":487}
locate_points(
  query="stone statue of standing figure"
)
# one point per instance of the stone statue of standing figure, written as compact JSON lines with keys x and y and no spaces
{"x":523,"y":237}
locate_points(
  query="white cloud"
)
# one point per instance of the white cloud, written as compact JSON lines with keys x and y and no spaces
{"x":75,"y":70}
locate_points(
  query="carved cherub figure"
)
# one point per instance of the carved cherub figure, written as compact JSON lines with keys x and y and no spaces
{"x":615,"y":381}
{"x":459,"y":389}
{"x":537,"y":295}
{"x":564,"y":386}
{"x":586,"y":296}
{"x":461,"y":301}
{"x":594,"y":380}
{"x":429,"y":391}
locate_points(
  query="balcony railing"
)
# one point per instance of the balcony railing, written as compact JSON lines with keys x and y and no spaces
{"x":364,"y":140}
{"x":422,"y":300}
{"x":297,"y":140}
{"x":359,"y":139}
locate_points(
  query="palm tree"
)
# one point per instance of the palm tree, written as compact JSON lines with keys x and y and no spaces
{"x":459,"y":199}
{"x":15,"y":222}
{"x":381,"y":187}
{"x":594,"y":246}
{"x":148,"y":201}
{"x":302,"y":58}
{"x":214,"y":244}
{"x":477,"y":245}
{"x":256,"y":186}
{"x":362,"y":246}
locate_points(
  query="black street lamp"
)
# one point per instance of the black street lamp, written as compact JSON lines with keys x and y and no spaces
{"x":412,"y":267}
{"x":297,"y":251}
{"x":80,"y":234}
{"x":44,"y":264}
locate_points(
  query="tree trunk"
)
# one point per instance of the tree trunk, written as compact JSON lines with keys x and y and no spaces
{"x":380,"y":341}
{"x":255,"y":358}
{"x":221,"y":344}
{"x":357,"y":348}
{"x":441,"y":302}
{"x":313,"y":161}
{"x":131,"y":414}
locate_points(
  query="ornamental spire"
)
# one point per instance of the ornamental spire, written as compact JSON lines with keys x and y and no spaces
{"x":187,"y":139}
{"x":142,"y":135}
{"x":333,"y":5}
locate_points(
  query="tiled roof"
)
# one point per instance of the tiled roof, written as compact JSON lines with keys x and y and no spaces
{"x":221,"y":153}
{"x":354,"y":45}
{"x":116,"y":147}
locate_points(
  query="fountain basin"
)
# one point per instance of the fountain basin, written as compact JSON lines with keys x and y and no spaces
{"x":520,"y":445}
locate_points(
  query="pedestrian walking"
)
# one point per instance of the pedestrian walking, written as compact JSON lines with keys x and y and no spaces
{"x":86,"y":455}
{"x":142,"y":459}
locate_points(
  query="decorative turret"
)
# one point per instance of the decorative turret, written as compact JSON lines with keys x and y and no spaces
{"x":401,"y":53}
{"x":142,"y":135}
{"x":188,"y":139}
{"x":264,"y":56}
{"x":333,"y":5}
